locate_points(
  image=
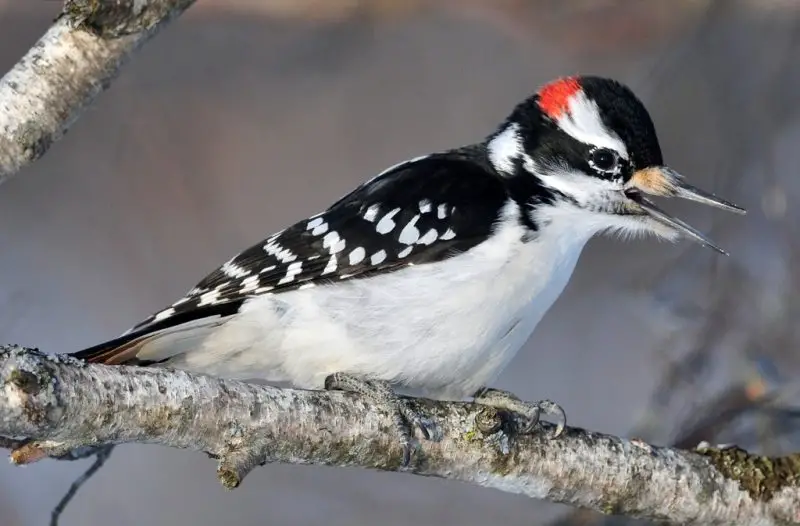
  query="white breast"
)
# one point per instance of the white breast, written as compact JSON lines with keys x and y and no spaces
{"x":445,"y":329}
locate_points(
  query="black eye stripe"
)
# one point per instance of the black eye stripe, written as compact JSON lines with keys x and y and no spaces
{"x":555,"y":147}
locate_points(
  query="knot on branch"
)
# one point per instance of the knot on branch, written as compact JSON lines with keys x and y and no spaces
{"x":27,"y":386}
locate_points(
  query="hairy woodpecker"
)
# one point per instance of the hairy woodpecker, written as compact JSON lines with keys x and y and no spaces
{"x":431,"y":275}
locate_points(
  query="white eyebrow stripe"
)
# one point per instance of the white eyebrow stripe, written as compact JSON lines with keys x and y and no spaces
{"x":582,"y":121}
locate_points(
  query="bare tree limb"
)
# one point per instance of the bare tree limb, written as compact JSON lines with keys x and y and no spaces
{"x":63,"y":404}
{"x":72,"y":63}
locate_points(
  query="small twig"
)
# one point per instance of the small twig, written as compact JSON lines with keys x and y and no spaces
{"x":101,"y":457}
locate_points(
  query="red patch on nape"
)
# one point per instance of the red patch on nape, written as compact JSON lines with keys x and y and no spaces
{"x":554,"y":97}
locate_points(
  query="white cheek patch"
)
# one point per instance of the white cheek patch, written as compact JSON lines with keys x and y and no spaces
{"x":504,"y":148}
{"x":582,"y":121}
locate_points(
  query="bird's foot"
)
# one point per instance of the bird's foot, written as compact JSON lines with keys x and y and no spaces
{"x":407,"y":419}
{"x":530,"y":411}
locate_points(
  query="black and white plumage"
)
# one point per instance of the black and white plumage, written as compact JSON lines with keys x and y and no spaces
{"x":372,"y":230}
{"x":426,"y":210}
{"x":433,"y":274}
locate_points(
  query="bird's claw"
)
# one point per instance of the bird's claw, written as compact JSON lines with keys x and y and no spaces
{"x":530,"y":411}
{"x":413,"y":419}
{"x":406,"y":418}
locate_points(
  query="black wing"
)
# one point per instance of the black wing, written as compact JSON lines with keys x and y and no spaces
{"x":417,"y":212}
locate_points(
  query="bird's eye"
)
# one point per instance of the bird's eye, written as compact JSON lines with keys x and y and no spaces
{"x":604,"y":159}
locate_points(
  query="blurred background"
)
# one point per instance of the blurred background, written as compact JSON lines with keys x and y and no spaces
{"x":246,"y":116}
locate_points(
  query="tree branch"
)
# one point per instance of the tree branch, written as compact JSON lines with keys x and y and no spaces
{"x":63,"y":404}
{"x":72,"y":63}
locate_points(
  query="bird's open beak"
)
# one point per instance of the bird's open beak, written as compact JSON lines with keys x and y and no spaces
{"x":666,"y":182}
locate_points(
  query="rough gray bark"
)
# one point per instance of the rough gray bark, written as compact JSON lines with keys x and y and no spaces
{"x":75,"y":60}
{"x":64,"y":404}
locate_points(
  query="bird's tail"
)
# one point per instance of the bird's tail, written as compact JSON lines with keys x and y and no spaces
{"x":154,"y":343}
{"x":122,"y":350}
{"x":157,"y":341}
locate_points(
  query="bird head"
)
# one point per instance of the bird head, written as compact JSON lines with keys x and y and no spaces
{"x":587,"y":151}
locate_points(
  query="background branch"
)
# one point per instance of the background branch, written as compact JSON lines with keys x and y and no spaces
{"x":63,"y":404}
{"x":72,"y":63}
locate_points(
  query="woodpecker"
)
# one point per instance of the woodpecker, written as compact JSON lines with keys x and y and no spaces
{"x":430,"y":276}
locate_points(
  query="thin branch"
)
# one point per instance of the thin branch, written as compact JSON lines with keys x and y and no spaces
{"x":63,"y":404}
{"x":98,"y":463}
{"x":72,"y":63}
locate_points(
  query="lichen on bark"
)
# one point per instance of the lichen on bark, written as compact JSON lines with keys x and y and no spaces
{"x":761,"y":476}
{"x":120,"y":17}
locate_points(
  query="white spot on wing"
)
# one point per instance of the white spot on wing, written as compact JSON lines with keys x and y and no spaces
{"x":164,"y":314}
{"x":268,"y":269}
{"x":291,"y":271}
{"x":284,"y":255}
{"x":441,"y":211}
{"x":410,"y":232}
{"x":209,"y":298}
{"x":429,"y":237}
{"x":306,"y":286}
{"x":357,"y":255}
{"x":233,"y":270}
{"x":448,"y":234}
{"x":372,"y":212}
{"x":504,"y":148}
{"x":249,"y":284}
{"x":424,"y":206}
{"x":377,"y":257}
{"x":262,"y":290}
{"x":331,"y":266}
{"x":314,"y":223}
{"x":333,"y":242}
{"x":320,"y":229}
{"x":406,"y":251}
{"x":386,"y":224}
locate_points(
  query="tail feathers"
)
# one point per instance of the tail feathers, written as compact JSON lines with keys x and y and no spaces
{"x":119,"y":351}
{"x":148,"y":347}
